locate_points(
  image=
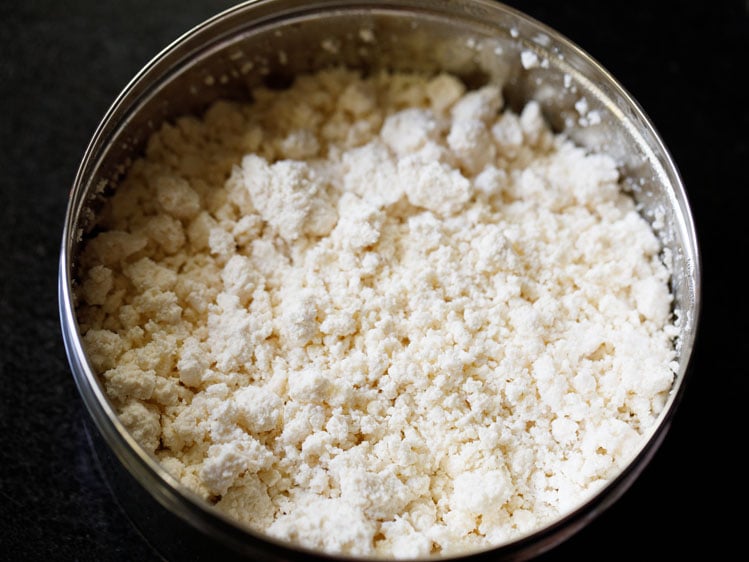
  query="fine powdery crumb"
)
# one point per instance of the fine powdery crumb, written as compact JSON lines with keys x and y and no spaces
{"x":379,"y":316}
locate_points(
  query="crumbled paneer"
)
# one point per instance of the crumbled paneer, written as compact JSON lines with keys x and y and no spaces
{"x":379,"y":316}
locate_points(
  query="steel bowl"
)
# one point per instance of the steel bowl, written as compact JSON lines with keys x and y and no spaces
{"x":268,"y":42}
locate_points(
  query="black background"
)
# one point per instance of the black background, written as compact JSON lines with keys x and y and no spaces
{"x":63,"y":63}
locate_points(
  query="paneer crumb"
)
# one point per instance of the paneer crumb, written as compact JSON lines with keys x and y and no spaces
{"x":379,"y":316}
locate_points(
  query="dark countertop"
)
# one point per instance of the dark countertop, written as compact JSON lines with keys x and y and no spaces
{"x":61,"y":65}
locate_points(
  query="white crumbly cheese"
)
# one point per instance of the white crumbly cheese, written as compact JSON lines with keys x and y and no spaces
{"x":379,"y":316}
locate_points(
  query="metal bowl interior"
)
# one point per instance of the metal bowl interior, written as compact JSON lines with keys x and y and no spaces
{"x":269,"y":42}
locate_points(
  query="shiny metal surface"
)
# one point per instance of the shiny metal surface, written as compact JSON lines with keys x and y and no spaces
{"x":268,"y":42}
